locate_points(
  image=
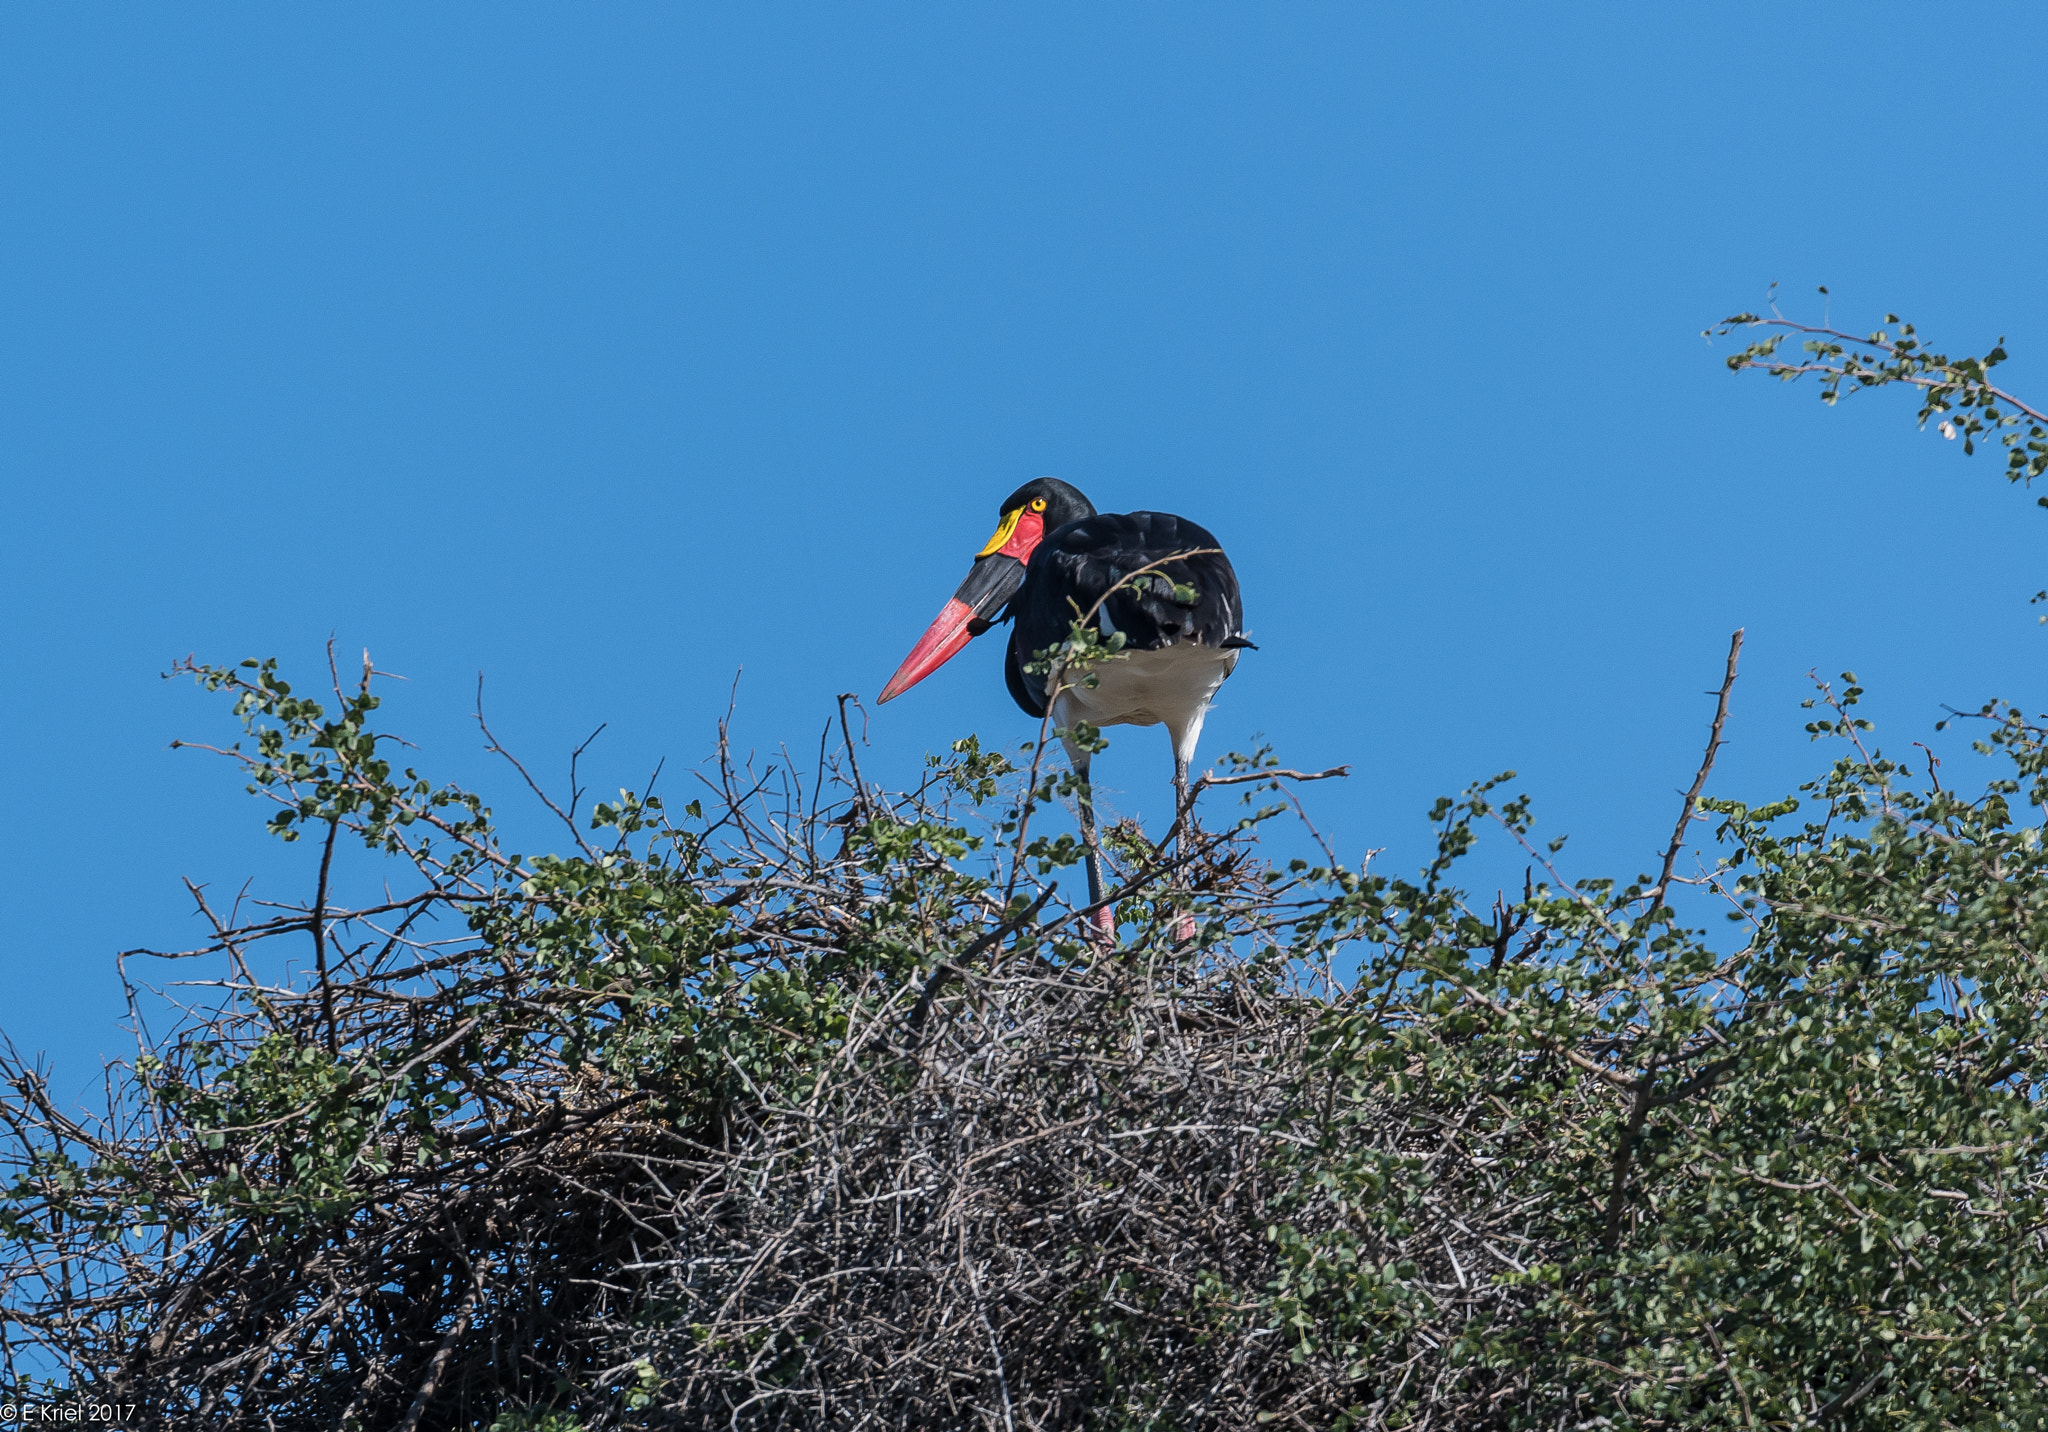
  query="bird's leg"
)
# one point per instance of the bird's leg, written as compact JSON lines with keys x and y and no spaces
{"x":1104,"y":919}
{"x":1183,"y":922}
{"x":1180,"y":796}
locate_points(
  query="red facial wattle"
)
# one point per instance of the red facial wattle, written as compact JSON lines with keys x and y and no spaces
{"x":1024,"y":536}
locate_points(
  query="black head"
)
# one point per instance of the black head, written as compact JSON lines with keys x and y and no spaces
{"x":1061,"y":503}
{"x":1027,"y":516}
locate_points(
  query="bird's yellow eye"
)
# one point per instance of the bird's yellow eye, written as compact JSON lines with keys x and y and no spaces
{"x":1038,"y":504}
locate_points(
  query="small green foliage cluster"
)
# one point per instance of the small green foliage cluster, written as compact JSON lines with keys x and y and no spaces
{"x":1956,"y":391}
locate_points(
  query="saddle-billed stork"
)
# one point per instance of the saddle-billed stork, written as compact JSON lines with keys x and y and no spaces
{"x":1161,"y":580}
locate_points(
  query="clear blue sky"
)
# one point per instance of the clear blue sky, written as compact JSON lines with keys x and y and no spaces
{"x":609,"y":349}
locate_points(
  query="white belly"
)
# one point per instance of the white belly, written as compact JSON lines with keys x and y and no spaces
{"x":1173,"y":685}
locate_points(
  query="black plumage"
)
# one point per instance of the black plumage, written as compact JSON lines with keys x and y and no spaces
{"x":1159,"y":580}
{"x":1075,"y":566}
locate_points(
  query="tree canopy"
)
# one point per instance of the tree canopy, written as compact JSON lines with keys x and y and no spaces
{"x":796,"y":1103}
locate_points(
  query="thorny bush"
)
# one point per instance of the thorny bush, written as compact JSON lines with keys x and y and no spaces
{"x":815,"y":1109}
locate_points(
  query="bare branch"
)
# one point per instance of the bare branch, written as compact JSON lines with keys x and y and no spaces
{"x":1699,"y":781}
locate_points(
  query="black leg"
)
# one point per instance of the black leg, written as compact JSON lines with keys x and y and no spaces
{"x":1104,"y":920}
{"x":1181,"y":812}
{"x":1183,"y":924}
{"x":1086,"y":798}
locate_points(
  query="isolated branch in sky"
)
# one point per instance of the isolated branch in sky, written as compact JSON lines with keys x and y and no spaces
{"x":1956,"y":394}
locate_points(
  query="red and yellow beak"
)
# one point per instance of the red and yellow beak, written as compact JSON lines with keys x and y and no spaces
{"x":997,"y":573}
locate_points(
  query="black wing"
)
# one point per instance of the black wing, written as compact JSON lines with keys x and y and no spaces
{"x":1075,"y":566}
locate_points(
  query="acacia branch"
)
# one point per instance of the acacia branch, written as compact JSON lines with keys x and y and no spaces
{"x":1948,"y":376}
{"x":1699,"y":780}
{"x":318,"y":922}
{"x":1197,"y":787}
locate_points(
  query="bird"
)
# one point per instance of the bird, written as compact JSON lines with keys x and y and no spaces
{"x":1160,"y":580}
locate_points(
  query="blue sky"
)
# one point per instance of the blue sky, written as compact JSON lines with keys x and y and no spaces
{"x":609,"y":350}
